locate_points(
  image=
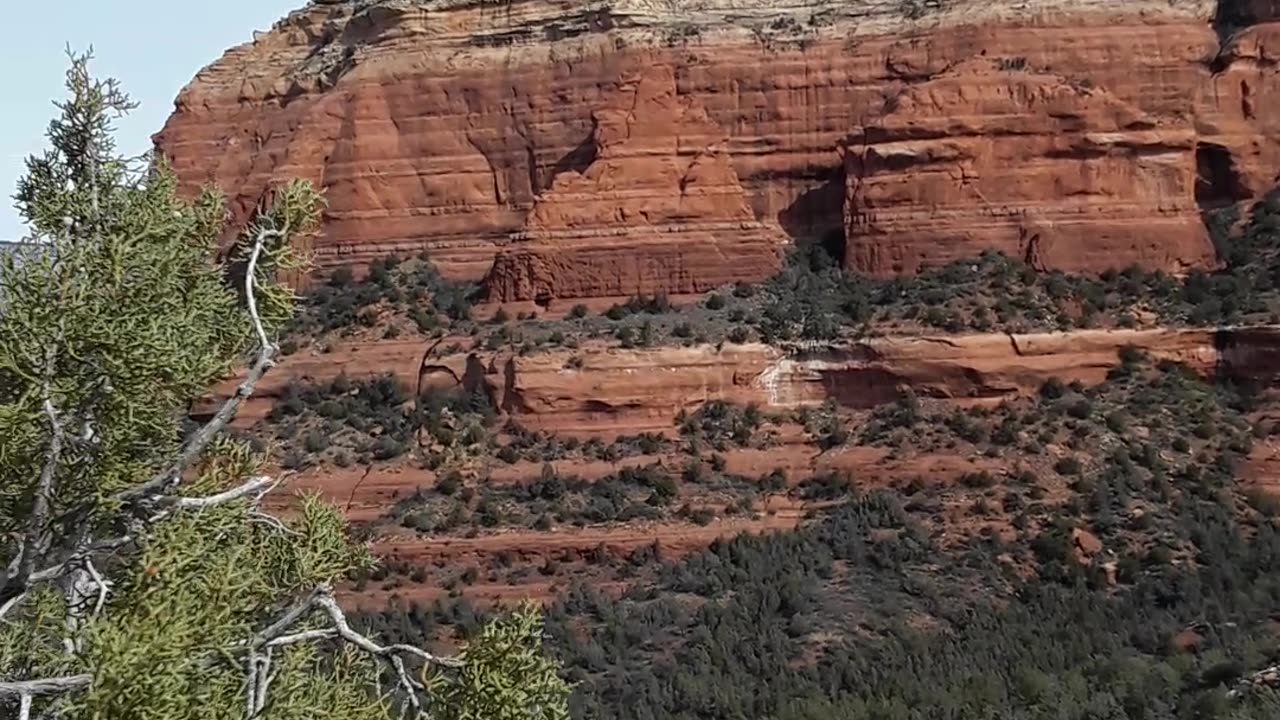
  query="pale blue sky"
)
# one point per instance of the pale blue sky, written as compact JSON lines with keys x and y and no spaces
{"x":154,"y":47}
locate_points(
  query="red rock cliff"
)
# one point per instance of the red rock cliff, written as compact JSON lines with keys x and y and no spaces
{"x":658,"y":209}
{"x":1094,"y":130}
{"x":995,"y":153}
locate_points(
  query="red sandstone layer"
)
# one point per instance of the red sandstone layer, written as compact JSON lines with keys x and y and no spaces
{"x":615,"y":390}
{"x":659,"y":209}
{"x":997,"y":153}
{"x":463,"y":129}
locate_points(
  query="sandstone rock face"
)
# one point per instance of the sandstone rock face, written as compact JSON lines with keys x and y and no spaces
{"x":658,"y":209}
{"x":996,"y":153}
{"x":1237,"y":156}
{"x":471,"y":130}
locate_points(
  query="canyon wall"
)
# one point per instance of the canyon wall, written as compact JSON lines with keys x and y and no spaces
{"x":609,"y":148}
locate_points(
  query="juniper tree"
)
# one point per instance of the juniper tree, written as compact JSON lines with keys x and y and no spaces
{"x":141,"y":576}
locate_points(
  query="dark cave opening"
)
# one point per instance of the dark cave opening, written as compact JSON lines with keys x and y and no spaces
{"x":815,"y":220}
{"x":1218,"y":182}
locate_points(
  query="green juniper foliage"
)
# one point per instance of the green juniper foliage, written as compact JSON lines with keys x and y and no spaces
{"x":135,"y":600}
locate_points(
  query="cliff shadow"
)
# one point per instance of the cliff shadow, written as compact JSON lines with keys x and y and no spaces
{"x":1232,"y":16}
{"x":1223,"y":345}
{"x":1219,"y":189}
{"x":1218,"y":180}
{"x":577,"y":160}
{"x":816,"y":218}
{"x":1247,"y":357}
{"x":861,"y":388}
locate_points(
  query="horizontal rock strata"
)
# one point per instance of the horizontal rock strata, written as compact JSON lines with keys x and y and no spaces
{"x":607,"y":391}
{"x":1079,"y":134}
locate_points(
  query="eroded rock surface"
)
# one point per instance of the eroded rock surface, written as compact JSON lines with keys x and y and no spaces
{"x":1094,"y":130}
{"x":995,"y":153}
{"x":658,"y":209}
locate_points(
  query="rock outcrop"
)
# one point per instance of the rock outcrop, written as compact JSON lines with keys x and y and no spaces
{"x":606,"y":391}
{"x":470,"y":130}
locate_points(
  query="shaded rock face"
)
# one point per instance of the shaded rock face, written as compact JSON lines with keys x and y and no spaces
{"x":610,"y":148}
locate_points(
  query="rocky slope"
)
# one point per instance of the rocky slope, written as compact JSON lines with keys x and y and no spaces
{"x":609,"y":395}
{"x":556,"y":151}
{"x":639,"y":146}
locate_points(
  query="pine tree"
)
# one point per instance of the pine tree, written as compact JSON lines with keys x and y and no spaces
{"x":141,"y":576}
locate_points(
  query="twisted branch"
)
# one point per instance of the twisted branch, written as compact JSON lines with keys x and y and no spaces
{"x":166,"y":479}
{"x":45,"y":686}
{"x":322,"y":598}
{"x":37,"y":538}
{"x":258,"y":487}
{"x":325,"y":601}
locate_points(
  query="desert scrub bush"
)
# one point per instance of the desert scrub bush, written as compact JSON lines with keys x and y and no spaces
{"x":720,"y":424}
{"x":811,"y":298}
{"x":978,"y":480}
{"x":739,"y":334}
{"x":903,"y":413}
{"x":826,"y":486}
{"x":374,"y":417}
{"x":640,"y":304}
{"x":409,"y":288}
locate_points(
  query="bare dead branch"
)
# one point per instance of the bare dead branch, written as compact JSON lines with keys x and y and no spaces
{"x":325,"y":601}
{"x":11,"y":603}
{"x":322,"y":598}
{"x":45,"y":686}
{"x":251,"y":685}
{"x":166,"y":479}
{"x":102,"y":546}
{"x":304,"y":636}
{"x":53,"y":572}
{"x":170,"y":476}
{"x":38,"y":537}
{"x":411,"y":688}
{"x":103,"y":587}
{"x":251,"y":279}
{"x":258,"y":486}
{"x":265,"y":678}
{"x":272,"y":522}
{"x":352,"y":497}
{"x":48,"y":479}
{"x":80,"y":590}
{"x":286,"y":621}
